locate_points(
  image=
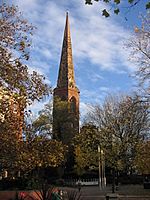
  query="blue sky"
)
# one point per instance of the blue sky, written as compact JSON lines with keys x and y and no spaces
{"x":100,"y":59}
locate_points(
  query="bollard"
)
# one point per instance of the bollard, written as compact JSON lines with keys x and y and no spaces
{"x":107,"y":197}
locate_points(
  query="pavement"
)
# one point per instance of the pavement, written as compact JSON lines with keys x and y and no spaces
{"x":125,"y":192}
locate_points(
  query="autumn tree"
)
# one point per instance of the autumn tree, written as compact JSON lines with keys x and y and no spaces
{"x":15,"y":42}
{"x":123,"y":123}
{"x":119,"y":126}
{"x":25,"y":156}
{"x":18,"y":87}
{"x":142,"y":158}
{"x":117,"y":7}
{"x":43,"y":124}
{"x":39,"y":153}
{"x":86,"y":149}
{"x":39,"y":150}
{"x":36,"y":151}
{"x":139,"y":46}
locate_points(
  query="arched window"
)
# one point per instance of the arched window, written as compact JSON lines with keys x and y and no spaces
{"x":73,"y":104}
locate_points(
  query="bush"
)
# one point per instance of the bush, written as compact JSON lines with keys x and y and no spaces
{"x":11,"y":184}
{"x":132,"y":179}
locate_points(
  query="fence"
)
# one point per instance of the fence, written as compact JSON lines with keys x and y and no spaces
{"x":85,"y":182}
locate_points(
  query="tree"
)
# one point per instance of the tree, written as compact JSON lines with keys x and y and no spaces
{"x":123,"y":123}
{"x":43,"y":124}
{"x":86,"y":148}
{"x":18,"y":87}
{"x":24,"y":156}
{"x":139,"y":45}
{"x":142,"y":159}
{"x":40,"y":152}
{"x":36,"y":150}
{"x":15,"y":42}
{"x":116,"y":5}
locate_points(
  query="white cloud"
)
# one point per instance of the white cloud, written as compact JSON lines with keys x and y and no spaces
{"x":95,"y":77}
{"x":92,"y":96}
{"x":105,"y":89}
{"x":95,"y":38}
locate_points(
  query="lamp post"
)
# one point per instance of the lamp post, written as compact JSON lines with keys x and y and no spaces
{"x":103,"y":169}
{"x":99,"y":167}
{"x":102,"y":178}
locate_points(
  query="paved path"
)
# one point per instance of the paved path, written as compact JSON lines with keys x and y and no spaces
{"x":125,"y":192}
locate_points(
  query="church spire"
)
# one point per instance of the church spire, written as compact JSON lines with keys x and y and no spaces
{"x":66,"y":68}
{"x":65,"y":128}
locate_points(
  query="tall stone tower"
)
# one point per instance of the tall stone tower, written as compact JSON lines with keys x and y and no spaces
{"x":66,"y":94}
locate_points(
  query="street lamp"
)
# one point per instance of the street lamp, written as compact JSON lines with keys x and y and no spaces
{"x":102,"y":178}
{"x":99,"y":167}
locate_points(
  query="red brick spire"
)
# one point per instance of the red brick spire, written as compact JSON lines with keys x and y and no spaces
{"x":66,"y":68}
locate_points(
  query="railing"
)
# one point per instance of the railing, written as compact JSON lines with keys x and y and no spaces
{"x":75,"y":182}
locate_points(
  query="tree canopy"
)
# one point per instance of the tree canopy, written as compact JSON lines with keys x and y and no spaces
{"x":142,"y":159}
{"x":19,"y":88}
{"x":86,"y":148}
{"x":120,"y":126}
{"x":43,"y":124}
{"x":15,"y":42}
